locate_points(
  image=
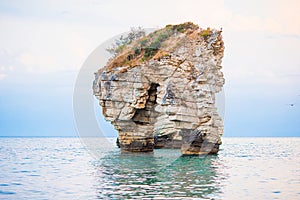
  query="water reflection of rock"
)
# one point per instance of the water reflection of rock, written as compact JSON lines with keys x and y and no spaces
{"x":163,"y":174}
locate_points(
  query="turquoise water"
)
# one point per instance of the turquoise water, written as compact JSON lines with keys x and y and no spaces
{"x":62,"y":168}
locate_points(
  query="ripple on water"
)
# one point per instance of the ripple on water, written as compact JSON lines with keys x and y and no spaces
{"x":52,"y":168}
{"x":6,"y":192}
{"x":147,"y":176}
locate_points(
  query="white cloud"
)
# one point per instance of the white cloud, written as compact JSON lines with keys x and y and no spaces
{"x":240,"y":22}
{"x":272,"y":16}
{"x":27,"y":59}
{"x":2,"y":76}
{"x":55,"y":37}
{"x":42,"y":46}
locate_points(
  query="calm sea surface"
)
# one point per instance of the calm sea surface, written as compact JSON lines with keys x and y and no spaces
{"x":63,"y":168}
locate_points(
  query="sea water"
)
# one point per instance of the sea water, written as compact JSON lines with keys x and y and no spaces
{"x":67,"y":168}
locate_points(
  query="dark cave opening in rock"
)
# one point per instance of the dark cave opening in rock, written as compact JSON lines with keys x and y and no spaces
{"x":145,"y":115}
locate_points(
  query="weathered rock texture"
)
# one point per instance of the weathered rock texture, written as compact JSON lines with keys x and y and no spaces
{"x":167,"y":99}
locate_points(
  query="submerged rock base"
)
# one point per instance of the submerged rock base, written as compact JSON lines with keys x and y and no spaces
{"x":168,"y":100}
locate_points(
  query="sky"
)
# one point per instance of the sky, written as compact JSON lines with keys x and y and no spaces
{"x":44,"y":45}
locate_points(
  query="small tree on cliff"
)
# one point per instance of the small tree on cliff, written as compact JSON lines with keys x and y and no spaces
{"x":120,"y":43}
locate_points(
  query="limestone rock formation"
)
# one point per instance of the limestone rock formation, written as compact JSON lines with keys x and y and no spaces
{"x":159,"y":91}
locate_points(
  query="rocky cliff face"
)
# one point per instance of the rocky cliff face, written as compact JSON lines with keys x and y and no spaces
{"x":165,"y":96}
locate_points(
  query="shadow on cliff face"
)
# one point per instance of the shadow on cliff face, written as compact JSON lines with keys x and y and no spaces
{"x":164,"y":174}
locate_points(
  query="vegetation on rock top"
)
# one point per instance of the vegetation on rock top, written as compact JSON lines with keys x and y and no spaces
{"x":138,"y":47}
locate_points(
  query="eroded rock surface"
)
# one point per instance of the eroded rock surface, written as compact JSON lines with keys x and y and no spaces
{"x":167,"y":99}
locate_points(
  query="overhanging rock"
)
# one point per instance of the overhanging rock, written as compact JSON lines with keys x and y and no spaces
{"x":165,"y":98}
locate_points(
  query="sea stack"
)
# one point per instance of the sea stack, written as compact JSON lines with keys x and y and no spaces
{"x":159,"y":90}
